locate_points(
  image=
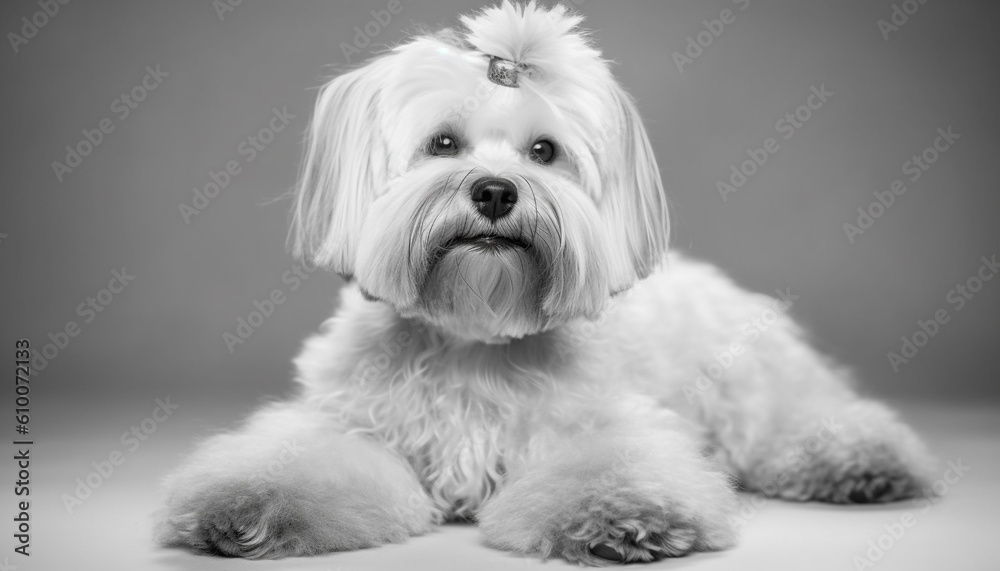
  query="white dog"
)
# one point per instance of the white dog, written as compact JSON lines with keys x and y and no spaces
{"x":509,"y":350}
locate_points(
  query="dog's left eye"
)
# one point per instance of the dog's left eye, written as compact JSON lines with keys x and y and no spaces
{"x":543,"y":151}
{"x":442,"y":146}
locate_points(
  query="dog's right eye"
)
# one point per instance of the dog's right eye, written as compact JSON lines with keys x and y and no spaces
{"x":442,"y":146}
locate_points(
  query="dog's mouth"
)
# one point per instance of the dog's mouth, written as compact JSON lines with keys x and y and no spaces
{"x":486,"y":242}
{"x":489,"y":245}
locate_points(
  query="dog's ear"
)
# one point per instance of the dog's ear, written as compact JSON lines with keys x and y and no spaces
{"x":344,"y":166}
{"x":633,"y":203}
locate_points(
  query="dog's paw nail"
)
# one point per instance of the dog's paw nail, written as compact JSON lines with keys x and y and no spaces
{"x":605,"y":551}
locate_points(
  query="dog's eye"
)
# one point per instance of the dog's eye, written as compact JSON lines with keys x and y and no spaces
{"x":543,"y":151}
{"x":442,"y":146}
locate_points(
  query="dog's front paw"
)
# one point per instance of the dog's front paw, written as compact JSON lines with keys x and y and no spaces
{"x":257,"y":519}
{"x":242,"y":495}
{"x":253,"y":526}
{"x":624,"y":528}
{"x":242,"y":520}
{"x":645,"y":506}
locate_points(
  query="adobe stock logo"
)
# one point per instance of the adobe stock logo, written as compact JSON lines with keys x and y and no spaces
{"x":697,"y":44}
{"x":249,"y":148}
{"x":899,"y":17}
{"x":891,"y":534}
{"x":914,"y":168}
{"x":786,"y":126}
{"x":88,"y":310}
{"x":363,"y":35}
{"x":104,"y":468}
{"x":31,"y":26}
{"x":245,"y":327}
{"x":750,"y":332}
{"x":223,"y":7}
{"x":958,"y":297}
{"x":122,"y":107}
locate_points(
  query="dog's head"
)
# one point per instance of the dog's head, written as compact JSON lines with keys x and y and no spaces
{"x":494,"y":181}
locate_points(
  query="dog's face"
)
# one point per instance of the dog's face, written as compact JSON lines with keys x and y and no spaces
{"x":490,"y":208}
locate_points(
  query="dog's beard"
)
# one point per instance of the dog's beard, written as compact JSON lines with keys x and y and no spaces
{"x":484,"y":288}
{"x":426,"y":251}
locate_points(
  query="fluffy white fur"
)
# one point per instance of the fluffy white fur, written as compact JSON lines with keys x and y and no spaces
{"x":546,"y":387}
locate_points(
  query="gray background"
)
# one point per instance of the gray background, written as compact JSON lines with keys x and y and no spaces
{"x":163,"y":334}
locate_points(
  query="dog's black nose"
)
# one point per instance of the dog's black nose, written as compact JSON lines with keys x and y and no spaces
{"x":494,"y":197}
